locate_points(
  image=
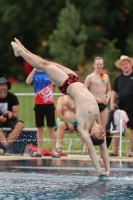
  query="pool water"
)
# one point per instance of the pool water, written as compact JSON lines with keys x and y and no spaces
{"x":56,"y":179}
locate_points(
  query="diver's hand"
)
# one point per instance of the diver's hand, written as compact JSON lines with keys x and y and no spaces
{"x":107,"y":173}
{"x":102,"y":174}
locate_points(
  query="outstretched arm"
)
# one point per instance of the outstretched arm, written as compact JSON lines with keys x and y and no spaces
{"x":91,"y":151}
{"x":112,"y":101}
{"x":87,"y":81}
{"x":29,"y":78}
{"x":105,"y":157}
{"x":108,"y":86}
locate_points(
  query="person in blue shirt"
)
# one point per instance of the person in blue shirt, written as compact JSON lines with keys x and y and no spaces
{"x":44,"y":107}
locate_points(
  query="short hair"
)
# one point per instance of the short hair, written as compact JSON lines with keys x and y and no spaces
{"x":96,"y":141}
{"x":98,"y":58}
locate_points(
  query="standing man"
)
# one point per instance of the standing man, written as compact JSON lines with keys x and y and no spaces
{"x":66,"y":118}
{"x":99,"y":84}
{"x":8,"y":116}
{"x":123,"y":89}
{"x":44,"y":107}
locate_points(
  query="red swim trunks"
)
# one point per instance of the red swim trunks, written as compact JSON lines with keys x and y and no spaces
{"x":72,"y":78}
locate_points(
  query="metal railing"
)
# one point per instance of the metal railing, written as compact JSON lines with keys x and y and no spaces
{"x":26,"y":107}
{"x":26,"y":113}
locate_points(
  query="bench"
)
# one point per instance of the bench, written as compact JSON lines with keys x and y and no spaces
{"x":28,"y":136}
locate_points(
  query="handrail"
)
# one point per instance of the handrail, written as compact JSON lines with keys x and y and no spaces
{"x":33,"y":94}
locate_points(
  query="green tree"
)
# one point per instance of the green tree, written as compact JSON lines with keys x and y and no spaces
{"x":30,"y":21}
{"x":33,"y":21}
{"x":110,"y":55}
{"x":67,"y":43}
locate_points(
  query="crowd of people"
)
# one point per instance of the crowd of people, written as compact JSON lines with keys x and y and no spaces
{"x":83,"y":107}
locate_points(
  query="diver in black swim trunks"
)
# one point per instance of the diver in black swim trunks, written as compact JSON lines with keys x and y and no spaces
{"x":87,"y":112}
{"x":99,"y":84}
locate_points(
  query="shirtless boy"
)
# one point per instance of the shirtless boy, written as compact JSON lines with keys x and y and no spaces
{"x":99,"y":85}
{"x":87,"y":112}
{"x":66,"y":118}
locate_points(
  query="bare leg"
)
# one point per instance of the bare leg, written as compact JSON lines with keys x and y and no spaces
{"x":104,"y":118}
{"x":66,"y":70}
{"x":15,"y":133}
{"x":115,"y":145}
{"x":55,"y":74}
{"x":3,"y":139}
{"x":53,"y":138}
{"x":60,"y":133}
{"x":40,"y":139}
{"x":131,"y":142}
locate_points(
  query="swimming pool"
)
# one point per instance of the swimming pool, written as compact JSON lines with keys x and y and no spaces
{"x":61,"y":179}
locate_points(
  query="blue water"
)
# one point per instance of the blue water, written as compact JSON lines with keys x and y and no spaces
{"x":63,"y":180}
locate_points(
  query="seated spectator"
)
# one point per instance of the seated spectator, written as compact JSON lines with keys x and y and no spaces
{"x":8,"y":116}
{"x":66,"y":118}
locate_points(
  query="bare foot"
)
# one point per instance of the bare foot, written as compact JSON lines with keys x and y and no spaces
{"x":19,"y":43}
{"x":15,"y":48}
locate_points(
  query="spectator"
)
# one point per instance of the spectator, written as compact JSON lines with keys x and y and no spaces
{"x":66,"y":118}
{"x":99,"y":84}
{"x":8,"y":116}
{"x":123,"y":89}
{"x":44,"y":106}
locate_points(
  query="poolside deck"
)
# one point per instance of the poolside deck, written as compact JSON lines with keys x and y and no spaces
{"x":69,"y":157}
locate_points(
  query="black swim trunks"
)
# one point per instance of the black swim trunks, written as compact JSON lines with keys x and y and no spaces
{"x":102,"y":107}
{"x":72,"y":78}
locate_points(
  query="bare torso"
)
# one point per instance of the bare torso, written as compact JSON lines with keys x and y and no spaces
{"x":97,"y":86}
{"x":86,"y":106}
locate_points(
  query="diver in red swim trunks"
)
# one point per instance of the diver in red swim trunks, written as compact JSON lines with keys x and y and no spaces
{"x":87,"y":111}
{"x":72,"y":78}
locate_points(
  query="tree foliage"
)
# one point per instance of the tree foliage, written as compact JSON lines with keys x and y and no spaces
{"x":33,"y":21}
{"x":67,"y":43}
{"x":110,"y":54}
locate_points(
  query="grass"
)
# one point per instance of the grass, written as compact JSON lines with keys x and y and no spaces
{"x":26,"y":113}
